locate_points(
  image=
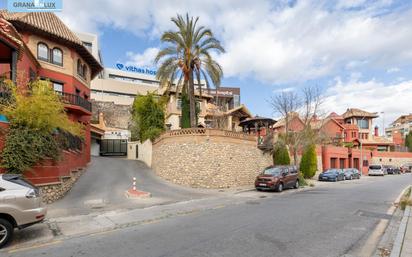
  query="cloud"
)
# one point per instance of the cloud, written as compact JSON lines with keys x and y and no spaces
{"x":393,"y":69}
{"x":144,"y":59}
{"x":286,"y":89}
{"x":271,"y":41}
{"x":370,"y":95}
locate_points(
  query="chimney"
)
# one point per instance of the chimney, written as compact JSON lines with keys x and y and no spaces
{"x":376,"y":131}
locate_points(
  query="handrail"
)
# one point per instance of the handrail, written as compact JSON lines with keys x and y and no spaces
{"x":75,"y":100}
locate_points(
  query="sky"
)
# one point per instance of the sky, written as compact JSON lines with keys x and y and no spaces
{"x":359,"y":52}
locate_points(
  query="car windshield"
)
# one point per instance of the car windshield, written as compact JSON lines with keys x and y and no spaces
{"x":330,"y":171}
{"x":272,"y":171}
{"x":375,"y":167}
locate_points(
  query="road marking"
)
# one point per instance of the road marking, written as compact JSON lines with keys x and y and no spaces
{"x":35,"y":246}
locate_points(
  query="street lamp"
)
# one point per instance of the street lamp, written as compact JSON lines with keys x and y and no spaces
{"x":383,"y":124}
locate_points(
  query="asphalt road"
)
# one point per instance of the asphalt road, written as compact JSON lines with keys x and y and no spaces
{"x":102,"y":188}
{"x":331,"y":220}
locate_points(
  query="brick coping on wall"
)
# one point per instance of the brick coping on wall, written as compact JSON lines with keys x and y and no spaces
{"x":205,"y":132}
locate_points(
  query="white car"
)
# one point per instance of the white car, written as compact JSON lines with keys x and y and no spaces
{"x":376,"y":170}
{"x":20,"y":205}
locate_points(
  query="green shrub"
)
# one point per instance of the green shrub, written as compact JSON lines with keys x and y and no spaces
{"x":302,"y":180}
{"x":281,"y":155}
{"x":36,"y":116}
{"x":25,"y":147}
{"x":148,"y":117}
{"x":308,"y":163}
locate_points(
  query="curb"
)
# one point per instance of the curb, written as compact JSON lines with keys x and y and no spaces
{"x":397,"y":246}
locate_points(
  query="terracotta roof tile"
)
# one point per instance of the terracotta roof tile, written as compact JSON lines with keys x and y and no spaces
{"x":353,"y":112}
{"x":49,"y":24}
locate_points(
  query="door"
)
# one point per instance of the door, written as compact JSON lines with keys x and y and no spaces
{"x":287,"y":177}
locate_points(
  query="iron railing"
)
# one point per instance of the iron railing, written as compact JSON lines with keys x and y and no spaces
{"x":76,"y":100}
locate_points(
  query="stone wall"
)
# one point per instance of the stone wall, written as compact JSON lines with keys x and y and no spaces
{"x":208,"y":158}
{"x":115,"y":115}
{"x":54,"y":191}
{"x":391,"y":158}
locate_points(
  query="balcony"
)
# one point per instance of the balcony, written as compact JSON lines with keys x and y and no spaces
{"x":76,"y":100}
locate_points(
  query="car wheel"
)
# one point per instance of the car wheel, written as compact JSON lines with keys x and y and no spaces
{"x":296,"y":184}
{"x":279,"y":188}
{"x":6,"y":232}
{"x":336,"y":179}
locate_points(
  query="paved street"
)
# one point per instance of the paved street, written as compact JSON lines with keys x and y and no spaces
{"x":332,"y":219}
{"x":103,"y":187}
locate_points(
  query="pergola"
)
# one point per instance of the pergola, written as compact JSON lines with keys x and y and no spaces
{"x":255,"y":124}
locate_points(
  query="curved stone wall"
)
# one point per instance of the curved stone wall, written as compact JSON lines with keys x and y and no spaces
{"x":208,"y":158}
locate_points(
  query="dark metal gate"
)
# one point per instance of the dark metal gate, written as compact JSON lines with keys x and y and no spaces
{"x":113,"y":147}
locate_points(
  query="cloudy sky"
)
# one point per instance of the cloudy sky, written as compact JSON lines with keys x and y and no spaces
{"x":358,"y":51}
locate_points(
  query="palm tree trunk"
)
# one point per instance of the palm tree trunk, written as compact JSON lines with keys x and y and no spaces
{"x":192,"y":101}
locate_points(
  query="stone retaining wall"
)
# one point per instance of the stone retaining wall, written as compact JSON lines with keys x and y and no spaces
{"x":208,"y":158}
{"x":54,"y":191}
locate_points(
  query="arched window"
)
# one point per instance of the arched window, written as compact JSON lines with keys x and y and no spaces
{"x":79,"y":67}
{"x":43,"y":52}
{"x":57,"y":56}
{"x":84,"y":71}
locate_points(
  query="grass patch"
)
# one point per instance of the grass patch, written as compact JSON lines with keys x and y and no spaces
{"x":405,"y":200}
{"x":302,"y":180}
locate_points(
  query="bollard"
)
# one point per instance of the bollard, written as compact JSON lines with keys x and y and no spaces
{"x":134,"y":183}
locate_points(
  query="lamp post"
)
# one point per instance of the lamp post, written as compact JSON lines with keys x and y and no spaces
{"x":383,"y":124}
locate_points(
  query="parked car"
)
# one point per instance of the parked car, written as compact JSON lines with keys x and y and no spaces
{"x":392,"y":170}
{"x":332,"y":175}
{"x":277,"y":178}
{"x":351,"y":173}
{"x":20,"y":206}
{"x":376,"y":169}
{"x":406,"y":168}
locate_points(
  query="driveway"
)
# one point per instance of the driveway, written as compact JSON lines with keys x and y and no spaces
{"x":102,"y":187}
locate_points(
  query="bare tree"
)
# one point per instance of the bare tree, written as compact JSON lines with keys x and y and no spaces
{"x":308,"y":107}
{"x":285,"y":104}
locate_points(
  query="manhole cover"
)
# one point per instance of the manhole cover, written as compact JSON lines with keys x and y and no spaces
{"x":371,"y":214}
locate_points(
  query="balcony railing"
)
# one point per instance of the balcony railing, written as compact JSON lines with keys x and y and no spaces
{"x":76,"y":100}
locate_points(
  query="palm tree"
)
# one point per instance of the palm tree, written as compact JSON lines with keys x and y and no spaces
{"x":186,"y":55}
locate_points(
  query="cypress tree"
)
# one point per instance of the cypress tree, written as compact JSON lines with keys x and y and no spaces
{"x":185,"y":111}
{"x":308,"y":163}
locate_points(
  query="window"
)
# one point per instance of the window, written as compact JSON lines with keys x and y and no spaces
{"x":58,"y":88}
{"x":84,"y":71}
{"x":42,"y":52}
{"x":179,"y":103}
{"x":57,"y":56}
{"x":88,"y":45}
{"x":363,"y":124}
{"x":32,"y":74}
{"x":79,"y":68}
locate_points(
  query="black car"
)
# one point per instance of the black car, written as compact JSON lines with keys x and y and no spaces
{"x":392,"y":170}
{"x":332,"y":175}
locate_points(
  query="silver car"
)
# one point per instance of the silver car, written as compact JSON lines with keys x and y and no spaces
{"x":376,"y":169}
{"x":20,"y":205}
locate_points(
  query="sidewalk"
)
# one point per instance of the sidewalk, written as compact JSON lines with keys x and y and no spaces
{"x":402,"y":246}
